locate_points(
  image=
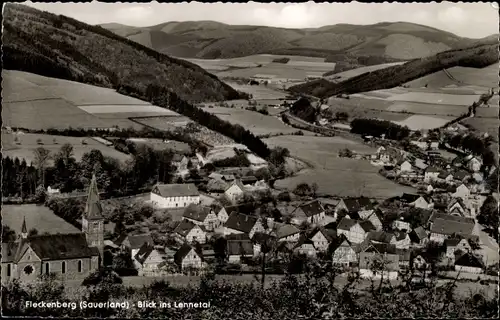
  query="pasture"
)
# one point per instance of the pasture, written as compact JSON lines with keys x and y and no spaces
{"x":341,"y":76}
{"x":126,"y":111}
{"x":158,"y":144}
{"x":255,"y":122}
{"x":419,"y":122}
{"x":487,"y":125}
{"x":258,"y":92}
{"x":335,"y":176}
{"x":27,"y":143}
{"x":357,"y":107}
{"x":427,"y":109}
{"x":436,"y":98}
{"x":37,"y":216}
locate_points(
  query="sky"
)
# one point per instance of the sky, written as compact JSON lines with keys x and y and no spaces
{"x":472,"y":20}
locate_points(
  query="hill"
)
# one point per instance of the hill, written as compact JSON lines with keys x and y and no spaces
{"x":479,"y":56}
{"x":57,"y":46}
{"x":388,"y":41}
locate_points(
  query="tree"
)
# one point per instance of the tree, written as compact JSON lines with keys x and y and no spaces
{"x":314,"y":189}
{"x":32,"y":232}
{"x":40,"y":194}
{"x":341,"y":116}
{"x":42,"y":157}
{"x":302,"y":189}
{"x":488,"y":215}
{"x":8,"y":235}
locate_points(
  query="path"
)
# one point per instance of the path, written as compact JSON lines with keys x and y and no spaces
{"x":489,"y":247}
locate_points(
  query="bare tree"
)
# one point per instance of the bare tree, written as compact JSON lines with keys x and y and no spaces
{"x":42,"y":157}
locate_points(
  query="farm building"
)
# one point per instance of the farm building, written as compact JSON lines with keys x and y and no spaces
{"x":188,"y":259}
{"x":312,"y":212}
{"x":202,"y":216}
{"x":431,"y":174}
{"x":147,"y":260}
{"x":452,"y":245}
{"x":415,"y":200}
{"x":378,"y":260}
{"x":361,"y":206}
{"x":461,"y":192}
{"x":344,"y":254}
{"x":133,"y":242}
{"x":418,"y":236}
{"x":174,"y":195}
{"x":322,"y":238}
{"x":286,"y":232}
{"x":352,"y":230}
{"x":241,"y":223}
{"x":374,"y":219}
{"x":306,"y":247}
{"x":239,"y":249}
{"x":235,"y":191}
{"x":469,"y":263}
{"x":441,"y":229}
{"x":406,"y":167}
{"x":187,"y":231}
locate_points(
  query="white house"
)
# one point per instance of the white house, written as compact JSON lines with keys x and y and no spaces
{"x":406,"y":166}
{"x":202,"y":216}
{"x":402,"y":240}
{"x":311,"y":211}
{"x":469,"y":263}
{"x":344,"y":254}
{"x":352,"y":230}
{"x":286,"y":232}
{"x":442,"y":229}
{"x":187,"y":231}
{"x":374,"y":219}
{"x":188,"y":259}
{"x":431,"y":174}
{"x":222,"y":214}
{"x":238,"y":223}
{"x":147,"y":260}
{"x":235,"y":191}
{"x":474,"y":164}
{"x":461,"y":192}
{"x":322,"y":238}
{"x":452,"y":245}
{"x":401,"y":225}
{"x":305,"y":246}
{"x":415,"y":200}
{"x":379,"y":260}
{"x":174,"y":195}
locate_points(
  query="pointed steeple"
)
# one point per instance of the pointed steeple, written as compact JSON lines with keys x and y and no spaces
{"x":24,"y":229}
{"x":93,"y":209}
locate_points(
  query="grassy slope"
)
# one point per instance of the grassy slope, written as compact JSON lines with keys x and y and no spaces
{"x":209,"y":39}
{"x":476,"y":57}
{"x":57,"y":46}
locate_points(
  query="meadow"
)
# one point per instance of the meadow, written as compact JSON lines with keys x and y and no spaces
{"x":334,"y":175}
{"x":255,"y":122}
{"x":484,"y":125}
{"x":37,"y":216}
{"x":341,"y":76}
{"x":28,"y":143}
{"x":158,"y":144}
{"x":258,"y":92}
{"x":436,"y":98}
{"x":419,"y":122}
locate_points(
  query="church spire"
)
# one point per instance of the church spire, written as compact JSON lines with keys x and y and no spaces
{"x":93,"y":207}
{"x":24,"y":229}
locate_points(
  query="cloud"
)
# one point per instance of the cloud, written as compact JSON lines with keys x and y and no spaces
{"x":453,"y":15}
{"x":135,"y":14}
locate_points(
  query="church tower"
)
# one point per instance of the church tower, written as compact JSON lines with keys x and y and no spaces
{"x":93,"y":220}
{"x":24,"y":229}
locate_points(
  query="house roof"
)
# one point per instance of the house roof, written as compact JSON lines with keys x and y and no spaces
{"x":312,"y":208}
{"x":237,"y":183}
{"x":367,"y":225}
{"x":420,"y":233}
{"x":357,"y":204}
{"x":448,"y":227}
{"x":240,"y":222}
{"x":177,"y":157}
{"x":380,"y":248}
{"x":197,"y":213}
{"x":184,"y":227}
{"x":217,"y":185}
{"x":452,"y":242}
{"x":419,"y":163}
{"x":93,"y":208}
{"x":379,"y":236}
{"x":449,"y":217}
{"x":460,"y":201}
{"x":409,"y":197}
{"x":60,"y":246}
{"x":461,"y":174}
{"x":346,"y":224}
{"x":433,"y":169}
{"x":400,"y":235}
{"x":373,"y":252}
{"x":284,"y":230}
{"x":144,"y":252}
{"x":237,"y":237}
{"x":304,"y":240}
{"x":248,"y":179}
{"x":469,"y":260}
{"x":176,"y":190}
{"x":183,"y":252}
{"x":239,"y":248}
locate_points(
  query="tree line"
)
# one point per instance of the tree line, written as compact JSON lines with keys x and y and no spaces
{"x":377,"y":128}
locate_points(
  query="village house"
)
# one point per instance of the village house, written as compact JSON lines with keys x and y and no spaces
{"x":418,"y":262}
{"x":452,"y":245}
{"x":374,"y":219}
{"x":419,"y":236}
{"x":469,"y":263}
{"x":188,"y":260}
{"x":402,"y":240}
{"x":378,"y":260}
{"x":147,"y":260}
{"x":406,"y":166}
{"x":242,"y":223}
{"x":431,"y":174}
{"x":457,"y":207}
{"x":221,"y":213}
{"x":361,"y":207}
{"x":461,"y":176}
{"x":306,"y":247}
{"x":380,"y":237}
{"x":473,"y":164}
{"x":367,"y":226}
{"x":420,"y":164}
{"x":404,"y":258}
{"x":352,"y":230}
{"x":322,"y":238}
{"x":202,"y":216}
{"x":239,"y":249}
{"x":445,"y":177}
{"x":400,"y":224}
{"x":312,"y":212}
{"x":133,"y":242}
{"x":180,"y":162}
{"x":235,"y":191}
{"x":187,"y":231}
{"x":286,"y":232}
{"x":415,"y":200}
{"x":461,"y":192}
{"x":216,"y":187}
{"x":442,"y":229}
{"x":344,"y":254}
{"x":174,"y":195}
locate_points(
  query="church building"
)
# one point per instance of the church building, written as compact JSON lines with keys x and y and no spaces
{"x":68,"y":256}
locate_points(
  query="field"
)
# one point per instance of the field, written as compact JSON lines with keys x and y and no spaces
{"x":430,"y":97}
{"x":341,"y":76}
{"x":158,"y":144}
{"x":298,"y":68}
{"x":38,"y":217}
{"x":488,"y":125}
{"x":335,"y":176}
{"x":28,"y":143}
{"x":255,"y":122}
{"x":126,"y":111}
{"x":419,"y":122}
{"x":258,"y":92}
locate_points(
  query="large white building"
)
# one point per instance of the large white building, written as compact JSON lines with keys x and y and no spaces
{"x":174,"y":195}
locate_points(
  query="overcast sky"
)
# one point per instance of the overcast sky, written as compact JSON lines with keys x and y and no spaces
{"x":473,"y":20}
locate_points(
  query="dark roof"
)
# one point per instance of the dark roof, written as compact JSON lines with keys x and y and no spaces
{"x":461,"y":174}
{"x":346,"y":224}
{"x":136,"y":241}
{"x":261,"y":237}
{"x":197,"y":213}
{"x":237,"y":237}
{"x":448,"y":227}
{"x":144,"y":252}
{"x":449,"y":217}
{"x":93,"y":208}
{"x":184,"y":227}
{"x":304,"y":240}
{"x":469,"y":260}
{"x":312,"y":208}
{"x":452,"y":242}
{"x":60,"y":246}
{"x":239,"y":248}
{"x":176,"y":190}
{"x":400,"y":235}
{"x":249,"y":179}
{"x":377,"y":249}
{"x":379,"y":236}
{"x":357,"y":204}
{"x":432,"y":169}
{"x":183,"y":252}
{"x":381,"y":248}
{"x":284,"y":230}
{"x":367,"y":225}
{"x":443,"y":174}
{"x":420,"y":233}
{"x":409,"y":197}
{"x":240,"y":222}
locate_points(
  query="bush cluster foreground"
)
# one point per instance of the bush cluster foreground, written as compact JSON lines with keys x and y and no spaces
{"x":312,"y":295}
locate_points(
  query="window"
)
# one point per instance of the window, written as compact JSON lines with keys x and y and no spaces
{"x":63,"y":267}
{"x":28,"y":270}
{"x":8,"y":269}
{"x":47,"y":268}
{"x":79,"y":265}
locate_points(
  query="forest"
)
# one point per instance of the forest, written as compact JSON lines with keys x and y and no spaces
{"x":374,"y":127}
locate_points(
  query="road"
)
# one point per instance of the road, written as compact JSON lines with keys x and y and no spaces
{"x":489,"y":247}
